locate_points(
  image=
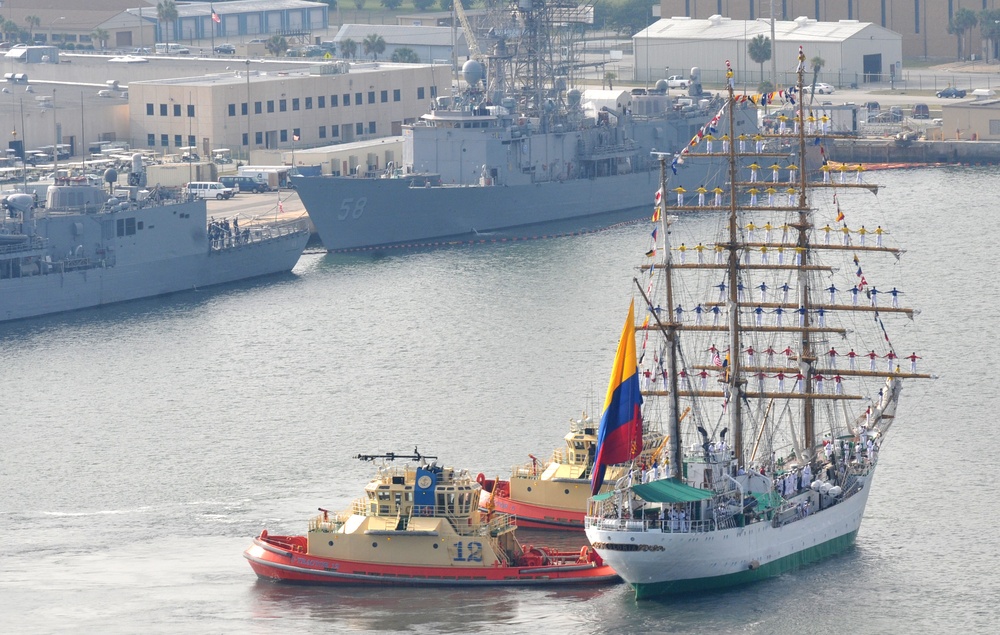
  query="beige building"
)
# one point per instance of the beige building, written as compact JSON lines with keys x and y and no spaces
{"x":246,"y":109}
{"x":974,"y":120}
{"x":922,"y":23}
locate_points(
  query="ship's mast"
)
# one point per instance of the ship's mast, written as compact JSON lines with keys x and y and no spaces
{"x":733,"y":378}
{"x":807,"y":358}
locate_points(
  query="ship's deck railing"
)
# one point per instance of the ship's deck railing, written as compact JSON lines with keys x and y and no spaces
{"x":36,"y":242}
{"x":528,"y":471}
{"x":256,"y":233}
{"x":655,"y":525}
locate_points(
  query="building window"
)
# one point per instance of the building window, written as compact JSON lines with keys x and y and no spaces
{"x":384,"y":96}
{"x":347,"y":99}
{"x":283,"y":105}
{"x":191,"y":141}
{"x":296,"y":134}
{"x":149,"y":109}
{"x":246,"y":139}
{"x":165,"y":140}
{"x":371,"y":127}
{"x":295,"y":103}
{"x":916,"y":16}
{"x":258,"y":138}
{"x":320,"y":102}
{"x":420,"y":92}
{"x":395,"y":94}
{"x":359,"y":128}
{"x":177,"y":140}
{"x":994,"y":127}
{"x":257,"y":108}
{"x":358,"y":99}
{"x":243,"y":108}
{"x":163,"y":110}
{"x":151,"y":140}
{"x":177,"y":110}
{"x":190,"y":110}
{"x":232,"y":110}
{"x":371,"y":97}
{"x":270,"y":105}
{"x":334,"y":131}
{"x":309,"y":103}
{"x":322,"y":132}
{"x":283,"y":135}
{"x":434,"y":92}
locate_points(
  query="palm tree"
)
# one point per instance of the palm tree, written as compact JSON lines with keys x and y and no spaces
{"x":816,"y":64}
{"x":33,"y":22}
{"x":277,"y":45}
{"x":405,"y":55}
{"x":166,"y":13}
{"x":348,"y":48}
{"x":374,"y":44}
{"x":100,"y":36}
{"x":963,"y":20}
{"x":759,"y":50}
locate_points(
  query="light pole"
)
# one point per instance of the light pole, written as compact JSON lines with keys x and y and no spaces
{"x":249,"y":105}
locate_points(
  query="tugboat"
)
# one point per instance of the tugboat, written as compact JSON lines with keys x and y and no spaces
{"x":554,"y":495}
{"x":418,"y":525}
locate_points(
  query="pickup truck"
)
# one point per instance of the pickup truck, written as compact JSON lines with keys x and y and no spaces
{"x":678,"y":81}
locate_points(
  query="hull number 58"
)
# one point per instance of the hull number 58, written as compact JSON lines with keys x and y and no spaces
{"x":352,"y":208}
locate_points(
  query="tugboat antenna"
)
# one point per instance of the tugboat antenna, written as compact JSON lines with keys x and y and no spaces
{"x":392,"y":456}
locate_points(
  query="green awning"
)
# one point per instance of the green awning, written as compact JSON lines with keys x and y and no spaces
{"x":603,"y":497}
{"x":767,"y":499}
{"x":670,"y":490}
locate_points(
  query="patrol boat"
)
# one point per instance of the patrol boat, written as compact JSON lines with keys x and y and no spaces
{"x":418,"y":525}
{"x":774,"y":465}
{"x":87,"y":248}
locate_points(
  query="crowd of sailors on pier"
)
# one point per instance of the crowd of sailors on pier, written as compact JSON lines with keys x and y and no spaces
{"x":223,"y":233}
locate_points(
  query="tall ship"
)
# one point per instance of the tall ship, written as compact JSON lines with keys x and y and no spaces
{"x":777,"y":341}
{"x":87,"y":247}
{"x":518,"y":152}
{"x":418,"y":525}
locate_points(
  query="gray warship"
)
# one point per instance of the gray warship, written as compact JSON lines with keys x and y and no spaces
{"x":518,"y":154}
{"x":87,"y":248}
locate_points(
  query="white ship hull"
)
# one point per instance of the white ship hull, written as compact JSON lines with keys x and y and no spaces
{"x":655,"y":562}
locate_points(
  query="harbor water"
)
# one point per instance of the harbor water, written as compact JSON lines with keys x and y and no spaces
{"x":145,"y":444}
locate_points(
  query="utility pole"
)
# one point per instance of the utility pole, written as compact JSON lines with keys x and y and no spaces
{"x":774,"y":53}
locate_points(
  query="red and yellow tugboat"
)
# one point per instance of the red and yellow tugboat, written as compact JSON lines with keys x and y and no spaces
{"x":418,"y":525}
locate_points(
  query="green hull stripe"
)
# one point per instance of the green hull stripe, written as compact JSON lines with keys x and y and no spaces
{"x":776,"y":567}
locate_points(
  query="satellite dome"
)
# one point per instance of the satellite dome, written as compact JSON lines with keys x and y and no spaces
{"x":661,"y":85}
{"x":111,"y":175}
{"x":472,"y":72}
{"x":573,"y":96}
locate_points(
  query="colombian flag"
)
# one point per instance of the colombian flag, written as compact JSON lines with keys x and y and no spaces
{"x":619,"y":438}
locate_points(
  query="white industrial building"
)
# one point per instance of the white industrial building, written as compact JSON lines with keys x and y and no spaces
{"x":853,"y":52}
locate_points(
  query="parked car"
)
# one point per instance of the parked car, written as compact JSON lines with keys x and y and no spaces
{"x":225,"y":49}
{"x":209,"y":189}
{"x":678,"y":81}
{"x":820,"y":88}
{"x":951,"y":93}
{"x":244,"y":184}
{"x":921,"y":111}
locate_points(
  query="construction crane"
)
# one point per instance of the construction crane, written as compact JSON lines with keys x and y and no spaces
{"x":470,"y":37}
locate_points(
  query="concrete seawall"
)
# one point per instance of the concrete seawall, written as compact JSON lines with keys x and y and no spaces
{"x":889,"y":151}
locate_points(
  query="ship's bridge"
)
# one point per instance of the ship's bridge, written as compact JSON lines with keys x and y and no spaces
{"x":478,"y":117}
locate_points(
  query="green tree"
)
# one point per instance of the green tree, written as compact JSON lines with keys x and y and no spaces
{"x":759,"y":49}
{"x":625,"y":17}
{"x":446,"y":4}
{"x":610,"y":77}
{"x":100,"y":36}
{"x":166,"y":13}
{"x":391,"y":5}
{"x":33,"y":22}
{"x":276,"y":45}
{"x":348,"y":48}
{"x":359,"y":4}
{"x":374,"y":45}
{"x":989,"y":29}
{"x":405,"y":55}
{"x":816,"y":64}
{"x":961,"y":23}
{"x":422,"y":5}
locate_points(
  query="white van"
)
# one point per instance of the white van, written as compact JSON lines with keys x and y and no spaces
{"x":170,"y":48}
{"x":209,"y":189}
